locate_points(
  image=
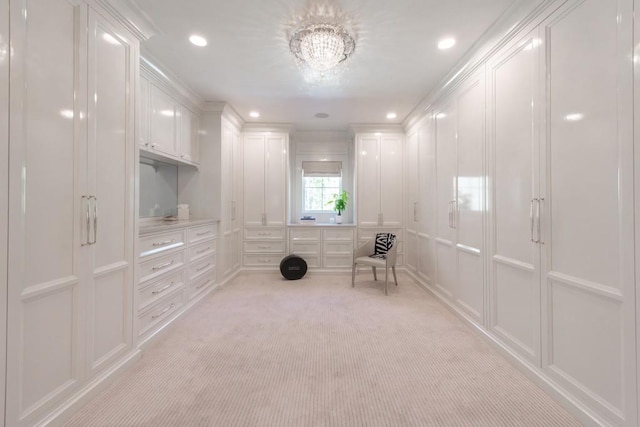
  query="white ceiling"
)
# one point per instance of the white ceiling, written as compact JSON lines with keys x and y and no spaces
{"x":248,"y":64}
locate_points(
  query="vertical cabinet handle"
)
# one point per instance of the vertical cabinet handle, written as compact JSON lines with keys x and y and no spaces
{"x":87,"y":212}
{"x":531,"y":203}
{"x":415,"y":211}
{"x":454,"y":212}
{"x":538,"y":218}
{"x":95,"y":220}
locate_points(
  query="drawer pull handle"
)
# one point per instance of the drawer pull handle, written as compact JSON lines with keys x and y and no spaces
{"x":265,"y":260}
{"x":203,"y":250}
{"x":203,"y":233}
{"x":155,"y":316}
{"x":161,"y":290}
{"x":203,"y":267}
{"x":203,"y":284}
{"x":264,"y":247}
{"x":263,"y":233}
{"x":166,"y":242}
{"x":160,"y":267}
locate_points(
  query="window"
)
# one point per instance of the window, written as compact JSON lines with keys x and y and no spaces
{"x":320,"y":181}
{"x":317,"y":191}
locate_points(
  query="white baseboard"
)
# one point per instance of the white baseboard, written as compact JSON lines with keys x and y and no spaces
{"x":69,"y":407}
{"x":578,"y":409}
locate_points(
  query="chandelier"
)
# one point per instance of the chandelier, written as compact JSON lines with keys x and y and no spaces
{"x":322,"y":46}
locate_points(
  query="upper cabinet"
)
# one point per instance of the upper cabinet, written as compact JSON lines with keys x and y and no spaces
{"x":379,"y":188}
{"x":168,"y":128}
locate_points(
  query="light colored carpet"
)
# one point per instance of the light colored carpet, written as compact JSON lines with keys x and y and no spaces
{"x":264,"y":351}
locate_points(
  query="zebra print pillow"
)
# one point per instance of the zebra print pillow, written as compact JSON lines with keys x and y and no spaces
{"x":384,"y":242}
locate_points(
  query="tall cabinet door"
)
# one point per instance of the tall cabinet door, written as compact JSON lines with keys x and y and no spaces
{"x":391,"y":162}
{"x":254,"y":178}
{"x":514,"y":277}
{"x":275,"y":184}
{"x":446,"y":199}
{"x":587,"y":221}
{"x":4,"y":187}
{"x":412,"y":201}
{"x":43,"y":345}
{"x":368,"y":180}
{"x":427,"y":207}
{"x":470,"y":197}
{"x":111,"y":166}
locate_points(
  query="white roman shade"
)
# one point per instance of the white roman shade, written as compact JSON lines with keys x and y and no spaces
{"x":321,"y":169}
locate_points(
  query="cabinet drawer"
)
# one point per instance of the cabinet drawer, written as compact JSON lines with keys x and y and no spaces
{"x":260,"y":233}
{"x":156,"y":243}
{"x":338,"y":248}
{"x":202,"y":250}
{"x":160,"y":265}
{"x":200,"y":268}
{"x":262,"y":260}
{"x":263,"y":247}
{"x":298,"y":234}
{"x":302,"y":247}
{"x":159,"y":312}
{"x":336,"y":234}
{"x":198,"y":286}
{"x":338,"y":261}
{"x":313,"y":261}
{"x":159,"y":288}
{"x":204,"y":232}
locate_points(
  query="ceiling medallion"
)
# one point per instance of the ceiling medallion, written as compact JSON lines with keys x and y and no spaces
{"x":322,"y":39}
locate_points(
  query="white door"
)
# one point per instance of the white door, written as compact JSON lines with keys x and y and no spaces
{"x":275,"y":184}
{"x":254,"y":179}
{"x":446,"y":200}
{"x":143,"y":121}
{"x":110,"y":171}
{"x":45,"y":291}
{"x":413,"y":191}
{"x":427,"y":207}
{"x":391,"y":191}
{"x":513,"y":170}
{"x":470,"y":198}
{"x":4,"y":190}
{"x":368,"y":180}
{"x":587,"y":209}
{"x":163,"y":134}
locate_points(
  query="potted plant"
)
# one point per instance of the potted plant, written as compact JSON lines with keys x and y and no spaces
{"x":339,"y":204}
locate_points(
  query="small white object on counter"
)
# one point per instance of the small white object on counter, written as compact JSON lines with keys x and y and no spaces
{"x":183,"y":212}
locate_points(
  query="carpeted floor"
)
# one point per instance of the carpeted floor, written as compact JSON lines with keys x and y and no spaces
{"x":263,"y":351}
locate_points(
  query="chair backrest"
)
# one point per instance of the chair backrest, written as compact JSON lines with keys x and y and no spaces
{"x":384,"y":242}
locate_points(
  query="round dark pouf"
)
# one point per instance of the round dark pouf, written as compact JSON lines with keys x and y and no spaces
{"x":293,"y":267}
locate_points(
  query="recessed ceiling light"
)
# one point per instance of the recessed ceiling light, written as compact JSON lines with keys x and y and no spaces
{"x":391,"y":115}
{"x":198,"y":40}
{"x":254,"y":114}
{"x":321,"y":115}
{"x":446,"y":43}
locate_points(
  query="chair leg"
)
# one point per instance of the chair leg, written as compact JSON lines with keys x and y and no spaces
{"x":386,"y":280}
{"x":375,"y":276}
{"x":353,"y":275}
{"x":395,"y":279}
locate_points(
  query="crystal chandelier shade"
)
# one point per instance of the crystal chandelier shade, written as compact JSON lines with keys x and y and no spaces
{"x":322,"y":46}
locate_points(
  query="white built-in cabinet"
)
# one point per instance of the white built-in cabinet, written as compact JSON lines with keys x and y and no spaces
{"x":379,"y":181}
{"x":520,"y":205}
{"x":4,"y":186}
{"x":168,"y":128}
{"x":460,"y":197}
{"x":230,"y":198}
{"x":265,"y":198}
{"x":379,"y":186}
{"x":71,"y":203}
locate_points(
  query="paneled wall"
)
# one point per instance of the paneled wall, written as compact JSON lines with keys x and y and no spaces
{"x":522,"y":218}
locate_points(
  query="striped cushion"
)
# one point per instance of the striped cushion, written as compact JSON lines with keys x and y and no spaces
{"x":384,"y":242}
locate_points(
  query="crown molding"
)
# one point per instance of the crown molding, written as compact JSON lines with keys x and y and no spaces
{"x":268,"y":127}
{"x":375,"y":128}
{"x":130,"y":16}
{"x":161,"y":76}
